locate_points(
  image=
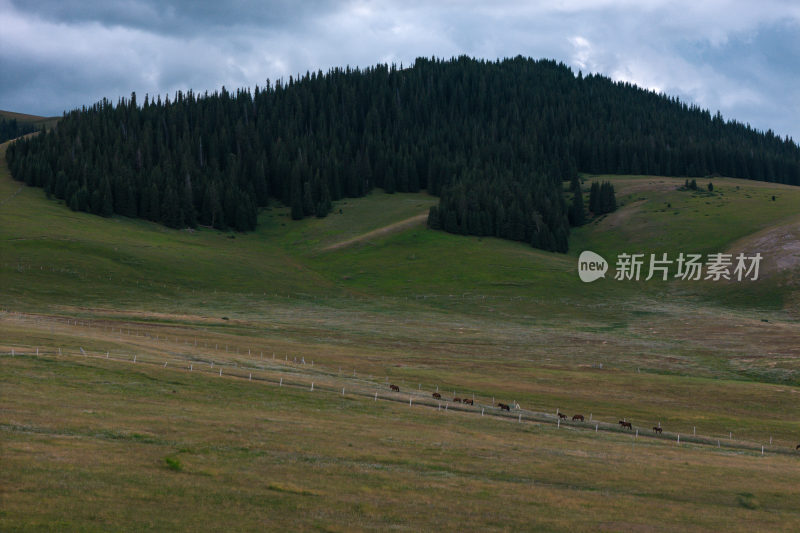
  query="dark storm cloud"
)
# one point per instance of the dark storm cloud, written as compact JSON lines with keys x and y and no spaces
{"x":735,"y":56}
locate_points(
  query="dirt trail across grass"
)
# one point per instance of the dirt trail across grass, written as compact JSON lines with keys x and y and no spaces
{"x":779,"y":246}
{"x":380,"y":232}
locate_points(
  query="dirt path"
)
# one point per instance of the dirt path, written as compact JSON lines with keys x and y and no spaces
{"x":380,"y":232}
{"x":779,"y":246}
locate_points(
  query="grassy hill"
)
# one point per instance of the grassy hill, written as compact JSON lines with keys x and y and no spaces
{"x":47,"y":122}
{"x":369,"y":296}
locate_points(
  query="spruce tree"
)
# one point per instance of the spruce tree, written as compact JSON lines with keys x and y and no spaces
{"x":107,"y":207}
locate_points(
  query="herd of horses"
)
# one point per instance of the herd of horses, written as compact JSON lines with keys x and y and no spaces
{"x":437,"y":396}
{"x":623,"y":423}
{"x":505,"y":407}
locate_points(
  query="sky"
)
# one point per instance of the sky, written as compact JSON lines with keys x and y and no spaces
{"x":741,"y":58}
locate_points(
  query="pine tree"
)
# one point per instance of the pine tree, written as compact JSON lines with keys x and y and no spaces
{"x":171,"y":213}
{"x":594,"y":198}
{"x":187,"y":204}
{"x":107,"y":207}
{"x":576,"y":214}
{"x":297,"y":196}
{"x":433,"y":218}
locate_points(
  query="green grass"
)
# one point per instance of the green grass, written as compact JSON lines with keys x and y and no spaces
{"x":255,"y":455}
{"x":695,"y":221}
{"x":416,"y":307}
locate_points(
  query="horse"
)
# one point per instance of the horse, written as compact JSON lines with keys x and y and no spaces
{"x":562,"y":416}
{"x":577,"y":417}
{"x":437,"y":395}
{"x":457,"y":400}
{"x":657,"y":429}
{"x":798,"y":447}
{"x":504,"y":407}
{"x":469,"y":401}
{"x":625,"y":424}
{"x":394,"y":388}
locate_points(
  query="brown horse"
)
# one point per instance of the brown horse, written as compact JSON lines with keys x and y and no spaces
{"x":625,"y":424}
{"x":457,"y":400}
{"x":657,"y":429}
{"x":437,"y":395}
{"x":562,"y":416}
{"x":504,"y":407}
{"x":394,"y":388}
{"x":798,"y":447}
{"x":577,"y":417}
{"x":469,"y":401}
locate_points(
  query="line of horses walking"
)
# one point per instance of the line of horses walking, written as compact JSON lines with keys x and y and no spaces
{"x":505,"y":407}
{"x":624,"y":424}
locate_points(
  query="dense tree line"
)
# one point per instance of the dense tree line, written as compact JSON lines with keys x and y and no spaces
{"x":11,"y":128}
{"x":494,"y":140}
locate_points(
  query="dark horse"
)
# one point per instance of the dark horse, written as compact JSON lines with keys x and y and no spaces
{"x":437,"y":395}
{"x":504,"y":407}
{"x":798,"y":447}
{"x":625,"y":424}
{"x":457,"y":400}
{"x":469,"y":401}
{"x":577,"y":417}
{"x":562,"y":416}
{"x":394,"y":388}
{"x":657,"y":429}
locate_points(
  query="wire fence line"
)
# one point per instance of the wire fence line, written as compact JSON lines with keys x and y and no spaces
{"x":323,"y":380}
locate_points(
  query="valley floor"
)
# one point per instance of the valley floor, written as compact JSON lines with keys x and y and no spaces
{"x":159,"y":379}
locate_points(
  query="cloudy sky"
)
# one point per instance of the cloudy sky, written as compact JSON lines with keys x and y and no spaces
{"x":739,"y":57}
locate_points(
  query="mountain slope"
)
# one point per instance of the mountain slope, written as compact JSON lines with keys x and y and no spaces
{"x":494,"y":140}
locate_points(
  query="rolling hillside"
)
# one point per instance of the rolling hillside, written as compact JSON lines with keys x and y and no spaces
{"x":34,"y":120}
{"x":232,"y":375}
{"x":494,"y":140}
